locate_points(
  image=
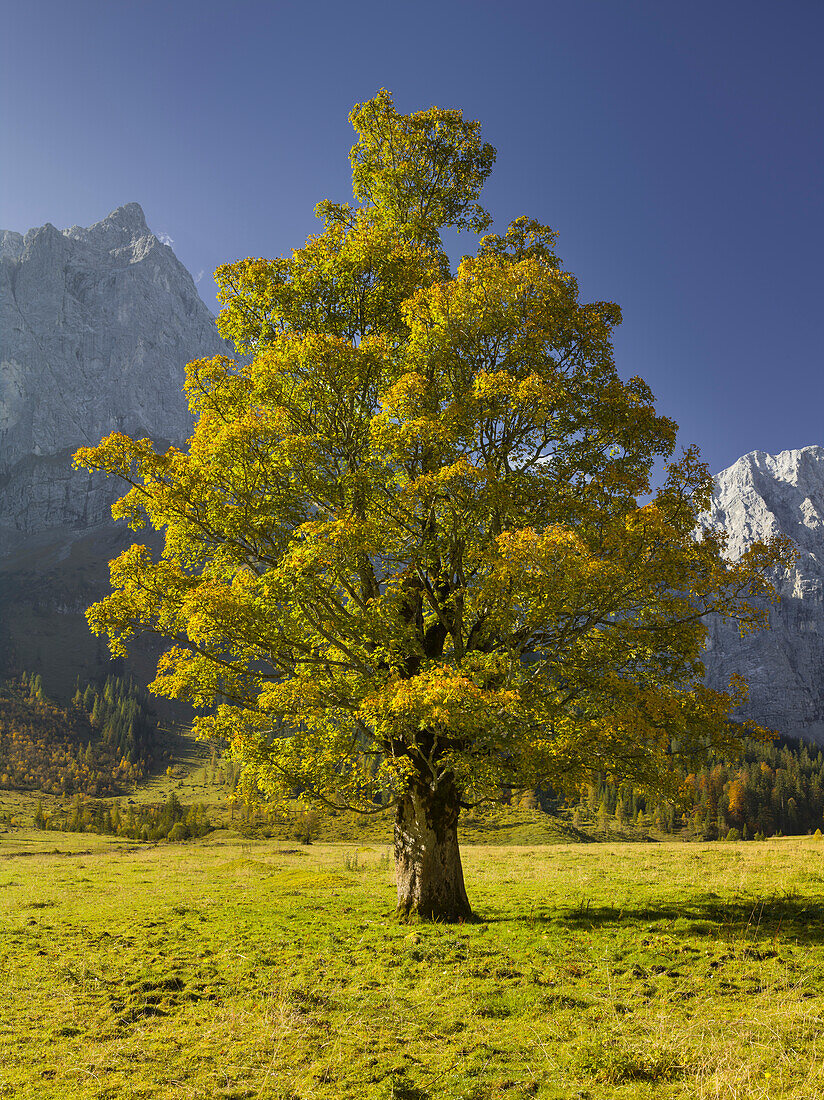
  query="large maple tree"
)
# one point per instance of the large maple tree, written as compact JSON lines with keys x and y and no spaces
{"x":405,"y":563}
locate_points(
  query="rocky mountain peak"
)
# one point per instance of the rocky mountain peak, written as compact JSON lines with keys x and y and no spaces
{"x":129,"y":216}
{"x":123,"y":228}
{"x":11,"y":244}
{"x":762,"y":495}
{"x":96,"y":326}
{"x":759,"y":496}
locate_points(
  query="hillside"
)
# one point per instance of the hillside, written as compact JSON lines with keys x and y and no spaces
{"x":105,"y":754}
{"x":100,"y":744}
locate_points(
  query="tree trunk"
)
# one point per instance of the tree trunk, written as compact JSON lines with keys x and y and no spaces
{"x":427,"y":858}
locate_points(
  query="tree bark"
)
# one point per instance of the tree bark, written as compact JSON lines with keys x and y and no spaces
{"x":427,"y":858}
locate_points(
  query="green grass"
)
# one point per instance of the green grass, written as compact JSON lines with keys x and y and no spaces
{"x":235,"y":968}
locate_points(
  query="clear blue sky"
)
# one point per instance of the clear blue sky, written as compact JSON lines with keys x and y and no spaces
{"x":677,"y":149}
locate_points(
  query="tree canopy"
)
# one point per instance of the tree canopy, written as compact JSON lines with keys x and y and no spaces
{"x":405,"y":560}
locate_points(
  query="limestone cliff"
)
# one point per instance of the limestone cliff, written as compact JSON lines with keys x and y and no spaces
{"x":758,"y":496}
{"x":96,"y":326}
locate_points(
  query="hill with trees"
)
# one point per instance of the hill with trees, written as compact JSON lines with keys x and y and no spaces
{"x":98,"y":745}
{"x":774,"y":788}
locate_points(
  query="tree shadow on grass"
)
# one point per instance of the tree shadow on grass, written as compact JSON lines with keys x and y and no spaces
{"x":706,"y":914}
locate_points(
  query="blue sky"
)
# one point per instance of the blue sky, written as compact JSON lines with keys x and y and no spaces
{"x":676,"y":148}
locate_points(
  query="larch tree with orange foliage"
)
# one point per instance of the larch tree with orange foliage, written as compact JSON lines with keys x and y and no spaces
{"x":405,"y":564}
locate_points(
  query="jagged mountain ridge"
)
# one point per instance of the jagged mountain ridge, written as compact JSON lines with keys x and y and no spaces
{"x":759,"y":496}
{"x":96,"y":326}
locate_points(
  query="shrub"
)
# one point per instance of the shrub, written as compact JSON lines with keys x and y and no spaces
{"x":306,"y":827}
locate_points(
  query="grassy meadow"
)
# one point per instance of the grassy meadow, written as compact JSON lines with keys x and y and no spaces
{"x":231,"y":967}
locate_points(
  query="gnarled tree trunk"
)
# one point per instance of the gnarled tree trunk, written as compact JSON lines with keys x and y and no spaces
{"x":427,"y":858}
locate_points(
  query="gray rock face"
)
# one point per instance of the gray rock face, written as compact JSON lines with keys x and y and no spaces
{"x":96,"y":326}
{"x":759,"y":496}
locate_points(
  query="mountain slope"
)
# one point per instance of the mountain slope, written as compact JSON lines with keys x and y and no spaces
{"x":758,"y":496}
{"x":96,"y":326}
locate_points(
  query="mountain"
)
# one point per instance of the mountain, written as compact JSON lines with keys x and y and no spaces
{"x":762,"y":495}
{"x":96,"y":326}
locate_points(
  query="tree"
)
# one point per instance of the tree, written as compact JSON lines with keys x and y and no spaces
{"x":404,"y":559}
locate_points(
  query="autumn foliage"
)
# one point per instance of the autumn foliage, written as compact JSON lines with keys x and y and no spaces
{"x":170,"y":820}
{"x":98,"y":745}
{"x":405,"y":560}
